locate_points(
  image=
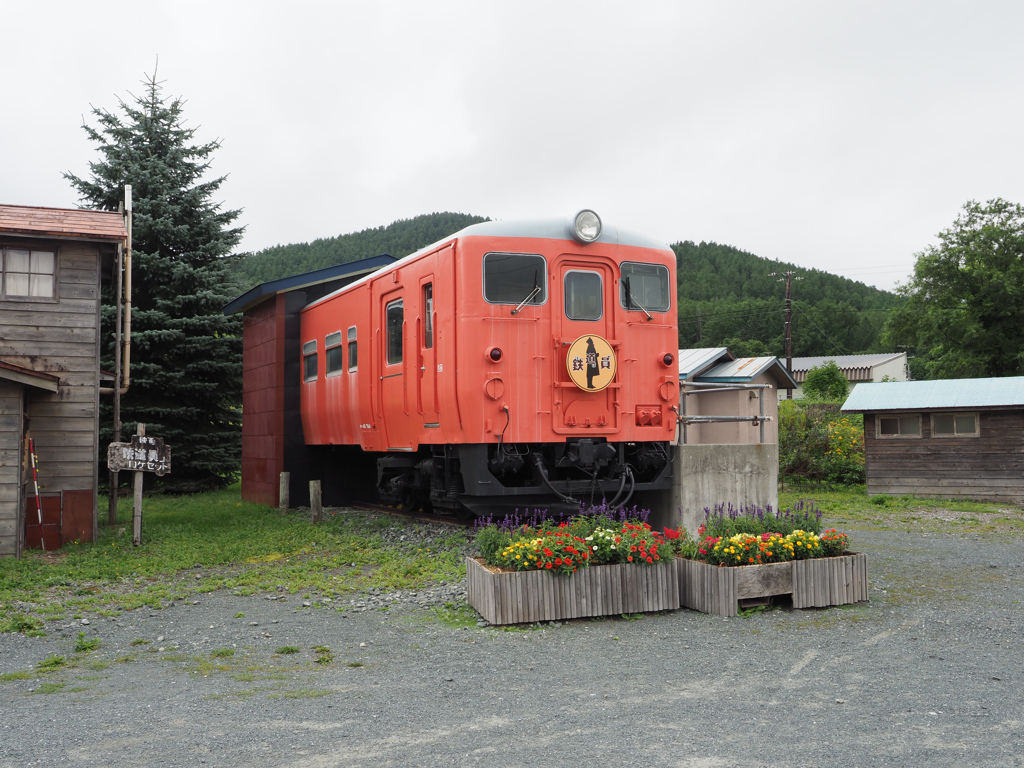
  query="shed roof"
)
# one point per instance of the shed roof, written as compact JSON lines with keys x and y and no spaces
{"x":263,"y":291}
{"x":21,"y":375}
{"x":948,"y":393}
{"x":692,"y":362}
{"x":854,"y":367}
{"x":746,"y":369}
{"x":64,"y":223}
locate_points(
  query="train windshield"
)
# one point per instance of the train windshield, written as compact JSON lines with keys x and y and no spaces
{"x":644,"y":287}
{"x":515,"y":278}
{"x":583,"y":299}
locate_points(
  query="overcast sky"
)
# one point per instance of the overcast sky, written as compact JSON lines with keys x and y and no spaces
{"x":841,"y":136}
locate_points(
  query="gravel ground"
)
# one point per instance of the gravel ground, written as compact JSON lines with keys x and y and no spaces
{"x":930,"y":672}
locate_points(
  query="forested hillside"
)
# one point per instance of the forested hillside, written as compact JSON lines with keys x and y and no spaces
{"x":727,"y":297}
{"x":397,"y":239}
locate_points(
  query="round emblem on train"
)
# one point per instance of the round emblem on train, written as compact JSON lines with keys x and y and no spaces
{"x":591,"y":363}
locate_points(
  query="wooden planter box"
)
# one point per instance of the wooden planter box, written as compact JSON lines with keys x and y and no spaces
{"x":816,"y":583}
{"x":599,"y":590}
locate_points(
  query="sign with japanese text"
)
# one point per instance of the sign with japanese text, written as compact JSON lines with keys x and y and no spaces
{"x":142,"y":454}
{"x":591,"y":363}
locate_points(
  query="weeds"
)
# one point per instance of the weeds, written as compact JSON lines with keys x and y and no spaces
{"x":84,"y":644}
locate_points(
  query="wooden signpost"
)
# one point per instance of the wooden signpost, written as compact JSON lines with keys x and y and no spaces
{"x":142,"y":454}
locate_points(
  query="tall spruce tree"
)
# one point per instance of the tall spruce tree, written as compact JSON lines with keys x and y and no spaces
{"x":186,"y":356}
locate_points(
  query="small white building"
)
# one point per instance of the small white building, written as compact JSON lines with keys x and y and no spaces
{"x":858,"y":369}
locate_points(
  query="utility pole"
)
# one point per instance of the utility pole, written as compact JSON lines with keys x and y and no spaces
{"x":789,"y":276}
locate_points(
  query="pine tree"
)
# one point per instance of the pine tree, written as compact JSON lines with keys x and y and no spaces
{"x":186,"y":356}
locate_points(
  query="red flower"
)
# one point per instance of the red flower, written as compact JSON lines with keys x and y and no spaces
{"x":558,"y":561}
{"x":630,"y":558}
{"x":649,"y":560}
{"x":548,"y":565}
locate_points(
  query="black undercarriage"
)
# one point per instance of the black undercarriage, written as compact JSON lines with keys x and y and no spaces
{"x":481,"y":478}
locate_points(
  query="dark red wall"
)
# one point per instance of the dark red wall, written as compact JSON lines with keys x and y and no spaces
{"x":263,"y":346}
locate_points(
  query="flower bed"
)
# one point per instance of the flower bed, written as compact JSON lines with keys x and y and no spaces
{"x":598,"y":563}
{"x":515,"y":597}
{"x":750,"y":554}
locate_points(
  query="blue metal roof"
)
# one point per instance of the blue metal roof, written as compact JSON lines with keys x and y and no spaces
{"x":746,"y":369}
{"x":948,"y":393}
{"x":263,"y":291}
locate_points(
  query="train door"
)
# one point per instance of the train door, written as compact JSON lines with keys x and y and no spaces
{"x":426,"y":373}
{"x":584,"y":310}
{"x":394,"y":385}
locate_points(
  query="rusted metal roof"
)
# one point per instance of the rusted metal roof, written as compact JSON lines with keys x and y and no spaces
{"x":64,"y":223}
{"x":22,"y":375}
{"x":745,"y":369}
{"x":1005,"y":392}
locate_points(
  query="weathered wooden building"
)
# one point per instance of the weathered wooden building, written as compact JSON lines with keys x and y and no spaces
{"x":958,"y":438}
{"x":52,"y":263}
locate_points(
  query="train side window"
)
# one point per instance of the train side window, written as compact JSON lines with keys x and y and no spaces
{"x":428,"y":321}
{"x":515,"y":278}
{"x":644,"y":287}
{"x":333,"y":351}
{"x":353,"y":350}
{"x":583,"y":295}
{"x":309,"y":370}
{"x":395,"y":313}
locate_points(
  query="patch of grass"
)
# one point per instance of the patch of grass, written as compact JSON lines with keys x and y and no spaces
{"x":49,"y":687}
{"x":51,"y":663}
{"x":852,"y":509}
{"x":632,"y":616}
{"x":85,"y":644}
{"x":354,"y":664}
{"x":223,"y":653}
{"x":323,"y":654}
{"x":10,"y":677}
{"x":140,"y":641}
{"x":20,"y":622}
{"x":456,"y":615}
{"x":285,"y":650}
{"x":241,"y":546}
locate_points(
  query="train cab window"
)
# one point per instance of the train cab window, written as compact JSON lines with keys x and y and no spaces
{"x":353,"y":350}
{"x":428,"y":320}
{"x":583,"y":295}
{"x":309,"y":371}
{"x":395,"y":313}
{"x":333,"y":351}
{"x":515,"y":278}
{"x":644,"y":287}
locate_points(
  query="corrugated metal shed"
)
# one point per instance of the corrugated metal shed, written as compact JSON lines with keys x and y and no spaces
{"x":693,"y":362}
{"x":855,"y":368}
{"x":931,"y":395}
{"x":746,"y":369}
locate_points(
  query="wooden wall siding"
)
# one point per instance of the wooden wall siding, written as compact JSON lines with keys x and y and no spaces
{"x":600,"y":590}
{"x":987,"y":468}
{"x":10,"y":466}
{"x":263,"y":402}
{"x":61,"y":337}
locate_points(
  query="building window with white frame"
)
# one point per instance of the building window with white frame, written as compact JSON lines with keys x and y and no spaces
{"x":28,"y":273}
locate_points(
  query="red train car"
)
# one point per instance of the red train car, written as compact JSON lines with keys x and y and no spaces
{"x":531,"y":363}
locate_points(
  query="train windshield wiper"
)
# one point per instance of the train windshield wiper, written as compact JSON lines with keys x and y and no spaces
{"x":633,"y":300}
{"x":534,"y":292}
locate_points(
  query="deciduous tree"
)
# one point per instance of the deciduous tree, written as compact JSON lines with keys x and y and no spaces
{"x":964,"y":308}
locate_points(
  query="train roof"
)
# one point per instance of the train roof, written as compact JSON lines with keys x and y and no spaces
{"x":548,"y":229}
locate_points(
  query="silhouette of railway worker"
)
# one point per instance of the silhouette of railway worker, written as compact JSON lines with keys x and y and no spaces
{"x":592,"y":369}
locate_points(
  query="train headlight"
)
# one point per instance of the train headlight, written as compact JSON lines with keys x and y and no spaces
{"x":494,"y":353}
{"x":667,"y":359}
{"x":586,"y":226}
